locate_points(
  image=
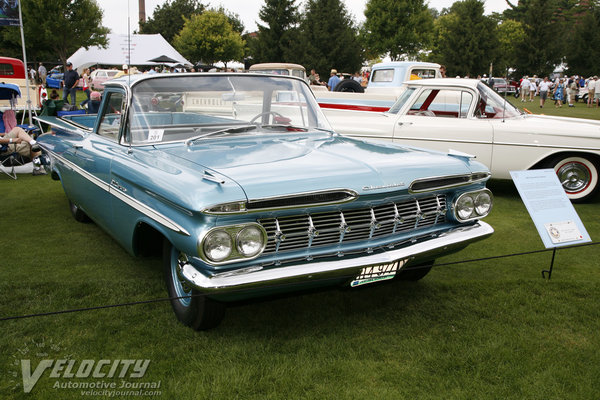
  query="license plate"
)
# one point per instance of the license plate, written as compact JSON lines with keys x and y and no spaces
{"x":377,"y":273}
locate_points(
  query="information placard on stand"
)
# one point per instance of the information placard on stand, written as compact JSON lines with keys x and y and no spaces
{"x":550,"y":209}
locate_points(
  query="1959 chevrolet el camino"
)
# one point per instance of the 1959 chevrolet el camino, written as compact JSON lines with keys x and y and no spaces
{"x":241,"y":182}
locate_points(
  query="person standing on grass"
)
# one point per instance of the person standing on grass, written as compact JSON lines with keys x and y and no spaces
{"x":333,"y":80}
{"x":42,"y":74}
{"x":544,"y":89}
{"x":596,"y":90}
{"x":524,"y":88}
{"x":532,"y":89}
{"x":70,"y":80}
{"x":559,"y":93}
{"x":86,"y":86}
{"x":591,"y":90}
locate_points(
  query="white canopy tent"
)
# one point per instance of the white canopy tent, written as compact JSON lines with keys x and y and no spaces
{"x":119,"y":51}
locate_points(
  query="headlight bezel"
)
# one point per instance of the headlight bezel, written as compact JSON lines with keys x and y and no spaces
{"x":235,"y":255}
{"x":473,"y":196}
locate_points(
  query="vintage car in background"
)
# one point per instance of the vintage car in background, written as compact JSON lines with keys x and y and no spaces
{"x":12,"y":71}
{"x":99,"y":76}
{"x":501,"y":86}
{"x":467,"y":116}
{"x":241,"y":182}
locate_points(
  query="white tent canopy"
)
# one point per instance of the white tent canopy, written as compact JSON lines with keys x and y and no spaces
{"x":143,"y":48}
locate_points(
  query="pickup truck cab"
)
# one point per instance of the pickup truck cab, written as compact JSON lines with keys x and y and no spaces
{"x":384,"y":87}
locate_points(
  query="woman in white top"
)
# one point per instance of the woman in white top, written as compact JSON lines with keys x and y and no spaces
{"x":532,"y":89}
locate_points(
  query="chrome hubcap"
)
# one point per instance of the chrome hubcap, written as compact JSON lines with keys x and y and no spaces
{"x":574,"y":176}
{"x":181,"y":287}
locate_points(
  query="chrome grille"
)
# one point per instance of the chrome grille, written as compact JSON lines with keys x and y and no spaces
{"x":297,"y":232}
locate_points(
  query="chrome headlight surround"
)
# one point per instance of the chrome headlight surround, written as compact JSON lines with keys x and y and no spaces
{"x":242,"y":242}
{"x":473,"y":205}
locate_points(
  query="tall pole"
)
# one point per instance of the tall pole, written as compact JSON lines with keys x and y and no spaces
{"x":25,"y":62}
{"x":142,"y":10}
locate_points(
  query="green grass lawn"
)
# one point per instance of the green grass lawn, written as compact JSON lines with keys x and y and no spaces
{"x":580,"y":109}
{"x":481,"y":330}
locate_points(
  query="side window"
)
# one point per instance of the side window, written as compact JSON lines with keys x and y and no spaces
{"x":443,"y":103}
{"x":110,"y":121}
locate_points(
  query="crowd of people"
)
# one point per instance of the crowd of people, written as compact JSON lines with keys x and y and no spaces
{"x":562,"y":90}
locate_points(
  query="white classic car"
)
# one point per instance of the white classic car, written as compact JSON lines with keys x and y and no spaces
{"x":467,"y":116}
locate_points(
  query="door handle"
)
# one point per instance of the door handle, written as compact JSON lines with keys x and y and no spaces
{"x":78,"y":146}
{"x":404,"y":123}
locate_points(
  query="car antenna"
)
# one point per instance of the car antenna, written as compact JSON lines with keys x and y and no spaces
{"x":505,"y":91}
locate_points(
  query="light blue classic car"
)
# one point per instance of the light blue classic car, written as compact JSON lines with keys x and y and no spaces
{"x":242,"y":186}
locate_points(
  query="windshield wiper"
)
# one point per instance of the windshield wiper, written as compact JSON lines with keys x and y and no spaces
{"x":226,"y":131}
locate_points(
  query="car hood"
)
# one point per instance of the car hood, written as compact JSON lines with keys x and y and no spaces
{"x":562,"y":126}
{"x":269,"y":166}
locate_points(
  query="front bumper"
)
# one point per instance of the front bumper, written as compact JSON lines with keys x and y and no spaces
{"x":259,"y":277}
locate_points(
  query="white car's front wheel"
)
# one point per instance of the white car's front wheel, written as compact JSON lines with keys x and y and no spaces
{"x":578,"y":176}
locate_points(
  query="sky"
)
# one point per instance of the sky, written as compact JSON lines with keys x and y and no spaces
{"x":116,"y":11}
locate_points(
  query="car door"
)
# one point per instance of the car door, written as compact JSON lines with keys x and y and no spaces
{"x":441,"y":118}
{"x":89,"y":159}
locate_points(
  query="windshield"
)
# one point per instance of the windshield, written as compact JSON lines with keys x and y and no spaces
{"x":195,"y":106}
{"x":492,"y":105}
{"x":404,"y":95}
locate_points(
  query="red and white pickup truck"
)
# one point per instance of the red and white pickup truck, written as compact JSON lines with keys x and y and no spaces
{"x":13,"y":71}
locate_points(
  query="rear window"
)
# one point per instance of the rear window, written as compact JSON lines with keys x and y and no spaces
{"x":383,"y":75}
{"x":6,"y":69}
{"x":424,"y":73}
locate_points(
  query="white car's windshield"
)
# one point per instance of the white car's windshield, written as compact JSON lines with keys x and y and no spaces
{"x":195,"y":106}
{"x":492,"y":105}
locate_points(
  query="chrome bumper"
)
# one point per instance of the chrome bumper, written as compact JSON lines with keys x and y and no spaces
{"x":259,"y":277}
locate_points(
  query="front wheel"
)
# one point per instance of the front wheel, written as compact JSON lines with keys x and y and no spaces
{"x":190,"y":306}
{"x":578,"y":176}
{"x":78,"y":214}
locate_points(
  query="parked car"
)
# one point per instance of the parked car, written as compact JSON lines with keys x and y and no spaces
{"x":240,"y":181}
{"x":12,"y":71}
{"x":501,"y":85}
{"x":466,"y":115}
{"x":99,"y":76}
{"x":55,"y":80}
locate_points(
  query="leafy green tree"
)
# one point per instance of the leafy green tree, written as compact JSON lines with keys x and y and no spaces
{"x":541,"y":51}
{"x":277,"y":35}
{"x":209,"y":37}
{"x":583,"y":53}
{"x":511,"y":35}
{"x":465,"y":39}
{"x":56,"y":29}
{"x":328,"y":38}
{"x":168,"y":19}
{"x":400,"y":28}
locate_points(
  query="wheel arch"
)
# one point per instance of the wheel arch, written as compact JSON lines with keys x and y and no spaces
{"x":595,"y":158}
{"x":148,"y":239}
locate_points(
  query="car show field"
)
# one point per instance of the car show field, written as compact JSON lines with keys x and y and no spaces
{"x":491,"y":328}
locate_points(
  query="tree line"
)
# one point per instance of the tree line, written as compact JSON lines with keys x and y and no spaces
{"x":532,"y":36}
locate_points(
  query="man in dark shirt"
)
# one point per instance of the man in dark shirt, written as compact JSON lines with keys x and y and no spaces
{"x":70,"y":80}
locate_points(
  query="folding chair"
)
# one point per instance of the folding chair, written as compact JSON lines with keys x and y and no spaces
{"x":10,"y":160}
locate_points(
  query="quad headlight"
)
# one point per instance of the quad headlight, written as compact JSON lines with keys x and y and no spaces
{"x":233,"y":243}
{"x":473,"y":205}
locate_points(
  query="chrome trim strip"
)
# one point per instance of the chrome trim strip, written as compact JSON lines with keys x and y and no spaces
{"x":352,"y":195}
{"x":136,"y":204}
{"x":258,"y":277}
{"x":542,"y":146}
{"x":433,"y":178}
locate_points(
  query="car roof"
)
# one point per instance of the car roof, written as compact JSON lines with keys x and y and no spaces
{"x":458,"y":82}
{"x":391,"y":64}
